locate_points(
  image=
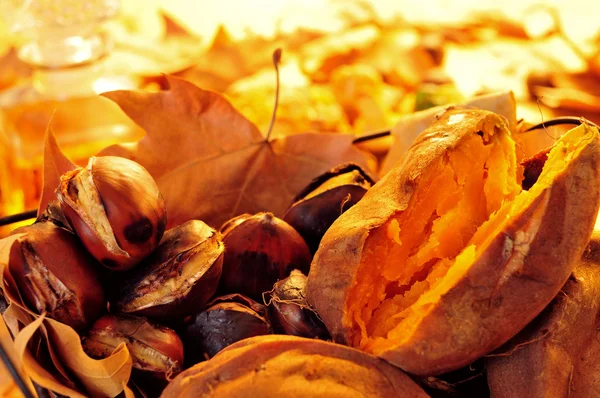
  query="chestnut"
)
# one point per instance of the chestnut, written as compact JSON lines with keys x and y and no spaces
{"x":153,"y":348}
{"x":260,"y":250}
{"x":116,"y":209}
{"x":532,"y":168}
{"x":227,"y":319}
{"x":54,"y":214}
{"x":322,"y":201}
{"x":289,"y":311}
{"x":177,"y":279}
{"x":55,"y":274}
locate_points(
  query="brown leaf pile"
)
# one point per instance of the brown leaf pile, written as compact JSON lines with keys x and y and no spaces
{"x":211,"y":163}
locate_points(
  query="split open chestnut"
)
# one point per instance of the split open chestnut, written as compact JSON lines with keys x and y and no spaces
{"x":116,"y":209}
{"x":153,"y":348}
{"x":260,"y":250}
{"x":226,"y":320}
{"x":318,"y":205}
{"x":56,"y":275}
{"x":177,"y":279}
{"x":289,"y":311}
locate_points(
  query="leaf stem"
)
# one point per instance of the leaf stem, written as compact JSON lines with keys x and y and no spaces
{"x":276,"y":61}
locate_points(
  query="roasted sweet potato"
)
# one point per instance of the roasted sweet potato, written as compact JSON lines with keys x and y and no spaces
{"x":446,"y":258}
{"x":289,"y":366}
{"x":556,"y":355}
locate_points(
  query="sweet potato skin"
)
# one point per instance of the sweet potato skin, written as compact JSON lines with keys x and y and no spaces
{"x":556,"y":354}
{"x":289,"y":366}
{"x":335,"y":264}
{"x":491,"y":302}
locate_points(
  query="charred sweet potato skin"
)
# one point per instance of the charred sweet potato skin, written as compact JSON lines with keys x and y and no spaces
{"x":289,"y":366}
{"x":490,"y":302}
{"x":556,"y":354}
{"x":337,"y":261}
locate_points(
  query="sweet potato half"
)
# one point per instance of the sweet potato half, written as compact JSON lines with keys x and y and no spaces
{"x":446,"y":258}
{"x":288,"y":366}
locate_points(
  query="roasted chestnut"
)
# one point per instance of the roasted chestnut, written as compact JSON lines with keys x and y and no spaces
{"x":153,"y":348}
{"x":260,"y":250}
{"x":289,"y":311}
{"x":55,"y":274}
{"x":116,"y":209}
{"x":226,"y":320}
{"x":54,"y":214}
{"x":177,"y":279}
{"x":318,"y":205}
{"x":532,"y":168}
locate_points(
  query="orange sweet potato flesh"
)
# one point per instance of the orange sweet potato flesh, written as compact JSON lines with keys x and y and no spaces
{"x":556,"y":355}
{"x":446,"y":258}
{"x":288,"y":366}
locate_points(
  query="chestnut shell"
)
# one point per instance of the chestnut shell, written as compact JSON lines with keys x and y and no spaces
{"x":133,"y":205}
{"x":55,"y":274}
{"x":153,"y":348}
{"x":260,"y":250}
{"x":322,"y":201}
{"x":177,"y":279}
{"x":289,"y":311}
{"x":226,"y":320}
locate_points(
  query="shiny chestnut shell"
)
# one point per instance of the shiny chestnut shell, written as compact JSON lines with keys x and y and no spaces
{"x":322,"y":201}
{"x":55,"y":274}
{"x":153,"y":348}
{"x":289,"y":311}
{"x":177,"y":279}
{"x":226,"y":320}
{"x":260,"y":250}
{"x":123,"y":193}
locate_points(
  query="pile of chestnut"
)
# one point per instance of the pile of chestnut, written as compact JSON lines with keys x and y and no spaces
{"x":99,"y":260}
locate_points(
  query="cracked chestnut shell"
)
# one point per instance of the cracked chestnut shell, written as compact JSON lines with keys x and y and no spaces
{"x":55,"y":274}
{"x":153,"y":348}
{"x":178,"y":278}
{"x":116,"y":209}
{"x":226,"y":320}
{"x":318,"y":205}
{"x":260,"y":250}
{"x":289,"y":311}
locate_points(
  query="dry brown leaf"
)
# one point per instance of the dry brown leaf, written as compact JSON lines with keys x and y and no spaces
{"x":39,"y":374}
{"x":410,"y":126}
{"x":172,"y":26}
{"x":101,"y":377}
{"x":177,"y":51}
{"x":55,"y":165}
{"x":211,"y":163}
{"x":8,"y":387}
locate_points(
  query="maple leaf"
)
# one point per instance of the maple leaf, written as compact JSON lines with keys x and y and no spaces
{"x":55,"y":165}
{"x":211,"y":163}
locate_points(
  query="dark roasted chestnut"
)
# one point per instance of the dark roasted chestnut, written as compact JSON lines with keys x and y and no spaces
{"x":318,"y":205}
{"x":55,"y":274}
{"x":116,"y":209}
{"x":532,"y":168}
{"x":260,"y":250}
{"x":153,"y":348}
{"x":177,"y":279}
{"x":227,"y":319}
{"x":289,"y":311}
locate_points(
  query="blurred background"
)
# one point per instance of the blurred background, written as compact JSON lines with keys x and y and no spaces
{"x":348,"y":67}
